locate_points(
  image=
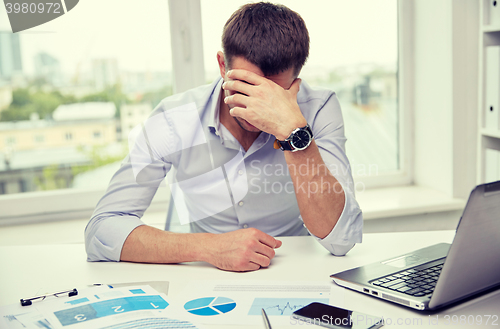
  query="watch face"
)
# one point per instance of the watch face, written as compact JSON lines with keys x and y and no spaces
{"x":301,"y":139}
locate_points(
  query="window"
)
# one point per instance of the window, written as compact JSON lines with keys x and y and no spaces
{"x":22,"y":185}
{"x":126,"y":60}
{"x":354,"y":52}
{"x":63,"y":83}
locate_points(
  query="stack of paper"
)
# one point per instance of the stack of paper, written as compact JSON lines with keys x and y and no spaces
{"x":101,"y":307}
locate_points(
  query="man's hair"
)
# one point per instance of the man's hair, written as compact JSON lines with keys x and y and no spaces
{"x":271,"y":36}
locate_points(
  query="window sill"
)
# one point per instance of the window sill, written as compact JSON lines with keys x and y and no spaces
{"x":405,"y":201}
{"x":66,"y":204}
{"x":59,"y":205}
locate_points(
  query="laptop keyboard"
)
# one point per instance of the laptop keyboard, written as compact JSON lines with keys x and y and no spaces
{"x":415,"y":282}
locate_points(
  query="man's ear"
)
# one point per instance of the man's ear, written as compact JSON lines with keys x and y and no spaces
{"x":222,"y":64}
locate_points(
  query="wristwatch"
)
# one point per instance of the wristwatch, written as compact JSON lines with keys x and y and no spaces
{"x":298,"y":140}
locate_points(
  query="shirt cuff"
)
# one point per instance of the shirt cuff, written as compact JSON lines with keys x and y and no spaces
{"x":348,"y":231}
{"x":104,"y":240}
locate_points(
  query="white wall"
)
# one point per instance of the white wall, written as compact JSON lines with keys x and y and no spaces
{"x":445,"y":94}
{"x":433,"y":94}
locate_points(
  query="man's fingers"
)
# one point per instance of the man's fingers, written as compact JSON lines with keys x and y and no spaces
{"x":236,"y":99}
{"x":261,"y":260}
{"x":238,"y":112}
{"x":269,"y":240}
{"x":278,"y":244}
{"x":265,"y":250}
{"x":244,"y":75}
{"x":252,"y":267}
{"x":238,"y":86}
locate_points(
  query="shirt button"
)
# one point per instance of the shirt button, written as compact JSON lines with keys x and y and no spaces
{"x":240,"y":203}
{"x":240,"y":172}
{"x":245,"y":225}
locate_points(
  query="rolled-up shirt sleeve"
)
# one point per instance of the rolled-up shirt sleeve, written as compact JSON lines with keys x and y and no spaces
{"x":328,"y":129}
{"x":105,"y":236}
{"x":348,"y":231}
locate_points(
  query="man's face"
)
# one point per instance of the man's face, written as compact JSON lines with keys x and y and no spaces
{"x":283,"y":79}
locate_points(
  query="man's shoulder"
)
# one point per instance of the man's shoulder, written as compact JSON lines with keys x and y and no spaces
{"x":308,"y":93}
{"x":196,"y":97}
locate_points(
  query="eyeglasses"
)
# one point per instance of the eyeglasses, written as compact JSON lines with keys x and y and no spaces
{"x":29,"y":301}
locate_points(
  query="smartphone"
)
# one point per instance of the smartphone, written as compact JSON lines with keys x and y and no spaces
{"x":333,"y":317}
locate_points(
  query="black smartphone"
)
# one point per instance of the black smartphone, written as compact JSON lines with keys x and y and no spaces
{"x":333,"y":317}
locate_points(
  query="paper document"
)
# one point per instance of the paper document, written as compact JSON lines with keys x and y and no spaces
{"x":241,"y":302}
{"x":101,"y":307}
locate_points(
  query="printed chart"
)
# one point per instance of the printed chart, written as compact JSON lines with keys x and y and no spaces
{"x":209,"y":306}
{"x":281,"y":306}
{"x":109,"y":307}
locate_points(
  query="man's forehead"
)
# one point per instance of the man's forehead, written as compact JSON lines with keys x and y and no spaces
{"x":284,"y":79}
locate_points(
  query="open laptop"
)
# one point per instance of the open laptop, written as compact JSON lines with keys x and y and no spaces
{"x":442,"y":274}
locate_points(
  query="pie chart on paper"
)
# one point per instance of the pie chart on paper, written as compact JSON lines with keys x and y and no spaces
{"x":209,"y":306}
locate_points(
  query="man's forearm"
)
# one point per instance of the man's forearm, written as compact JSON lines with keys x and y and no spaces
{"x":319,"y":195}
{"x":240,"y":250}
{"x":147,"y":244}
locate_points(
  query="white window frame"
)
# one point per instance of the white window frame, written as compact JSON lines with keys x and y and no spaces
{"x":404,"y":175}
{"x":188,"y":65}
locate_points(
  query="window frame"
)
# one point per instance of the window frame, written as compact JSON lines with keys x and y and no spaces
{"x":404,"y":175}
{"x":67,"y":204}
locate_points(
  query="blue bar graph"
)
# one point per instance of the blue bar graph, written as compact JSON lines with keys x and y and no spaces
{"x":109,"y":307}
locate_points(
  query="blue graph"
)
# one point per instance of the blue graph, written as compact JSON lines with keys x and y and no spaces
{"x":281,"y":306}
{"x":208,"y":306}
{"x":109,"y":307}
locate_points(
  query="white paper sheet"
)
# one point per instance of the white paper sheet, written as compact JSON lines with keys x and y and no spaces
{"x":240,"y":302}
{"x":102,"y":307}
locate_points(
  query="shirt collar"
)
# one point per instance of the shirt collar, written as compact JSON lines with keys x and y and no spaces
{"x":214,"y":121}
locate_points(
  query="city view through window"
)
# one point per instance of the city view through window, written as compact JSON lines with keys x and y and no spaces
{"x":72,"y":89}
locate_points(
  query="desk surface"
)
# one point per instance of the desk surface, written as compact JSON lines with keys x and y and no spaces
{"x":26,"y":269}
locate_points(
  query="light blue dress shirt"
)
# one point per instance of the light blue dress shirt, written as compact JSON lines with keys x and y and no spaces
{"x":216,"y":186}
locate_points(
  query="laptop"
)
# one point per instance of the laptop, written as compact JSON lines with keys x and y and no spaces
{"x":442,"y":274}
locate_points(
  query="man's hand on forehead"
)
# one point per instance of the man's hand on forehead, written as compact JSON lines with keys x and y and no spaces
{"x":263,"y":103}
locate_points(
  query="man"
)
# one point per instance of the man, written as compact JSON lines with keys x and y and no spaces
{"x":222,"y":142}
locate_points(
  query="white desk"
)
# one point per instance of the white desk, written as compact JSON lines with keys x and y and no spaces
{"x":26,"y":269}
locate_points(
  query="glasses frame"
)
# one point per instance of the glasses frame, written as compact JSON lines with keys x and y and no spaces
{"x":29,"y":301}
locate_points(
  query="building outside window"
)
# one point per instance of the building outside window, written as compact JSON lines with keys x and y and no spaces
{"x":9,"y":141}
{"x":39,"y":138}
{"x":62,"y":85}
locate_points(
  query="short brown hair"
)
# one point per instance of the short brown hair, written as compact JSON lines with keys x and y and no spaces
{"x":271,"y":36}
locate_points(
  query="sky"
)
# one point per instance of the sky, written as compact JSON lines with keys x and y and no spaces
{"x":136,"y":32}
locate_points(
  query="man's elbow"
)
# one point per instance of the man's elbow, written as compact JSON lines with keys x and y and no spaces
{"x":97,"y":250}
{"x":340,"y":250}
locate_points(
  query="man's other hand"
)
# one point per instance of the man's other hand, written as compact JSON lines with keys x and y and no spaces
{"x":242,"y":250}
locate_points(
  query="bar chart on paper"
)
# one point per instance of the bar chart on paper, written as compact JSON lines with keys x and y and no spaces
{"x":110,"y":307}
{"x":281,"y":306}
